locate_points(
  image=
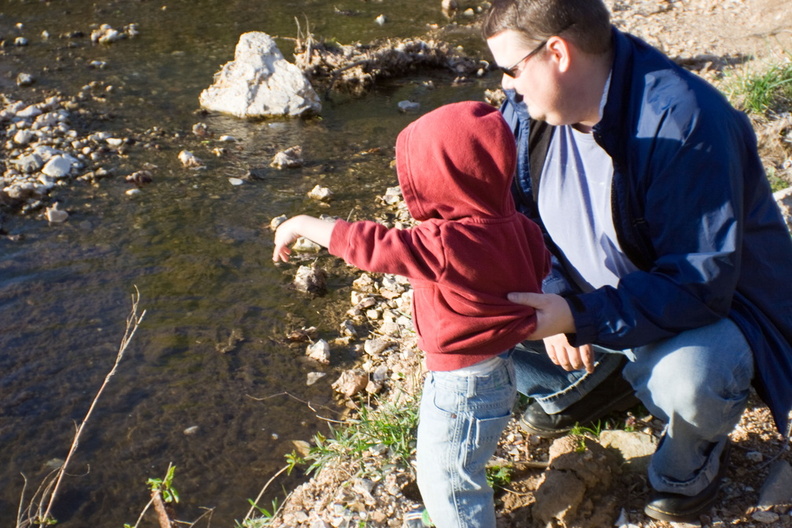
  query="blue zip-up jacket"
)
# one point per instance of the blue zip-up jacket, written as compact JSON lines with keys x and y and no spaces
{"x":692,"y":209}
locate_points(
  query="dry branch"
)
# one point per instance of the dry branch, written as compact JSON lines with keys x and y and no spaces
{"x":48,"y":490}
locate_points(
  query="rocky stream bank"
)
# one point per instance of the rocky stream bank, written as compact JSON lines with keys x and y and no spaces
{"x":585,"y":481}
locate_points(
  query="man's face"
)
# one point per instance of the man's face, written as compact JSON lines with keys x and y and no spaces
{"x":533,"y":74}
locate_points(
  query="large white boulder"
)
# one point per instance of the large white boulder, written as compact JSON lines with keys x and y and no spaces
{"x":259,"y":82}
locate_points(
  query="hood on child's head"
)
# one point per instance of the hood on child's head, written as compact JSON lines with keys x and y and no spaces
{"x":457,"y":161}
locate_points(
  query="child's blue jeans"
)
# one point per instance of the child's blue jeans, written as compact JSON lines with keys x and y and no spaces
{"x":461,"y":421}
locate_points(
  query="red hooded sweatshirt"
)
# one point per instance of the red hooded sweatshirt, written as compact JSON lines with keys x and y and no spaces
{"x":455,"y":166}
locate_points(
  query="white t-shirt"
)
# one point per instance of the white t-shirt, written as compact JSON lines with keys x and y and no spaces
{"x":575,"y":206}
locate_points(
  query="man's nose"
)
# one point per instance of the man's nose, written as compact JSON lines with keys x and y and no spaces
{"x":507,"y":82}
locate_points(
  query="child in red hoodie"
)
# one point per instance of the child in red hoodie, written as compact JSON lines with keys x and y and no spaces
{"x":455,"y":166}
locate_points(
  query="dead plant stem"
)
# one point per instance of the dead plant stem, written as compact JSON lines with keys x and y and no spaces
{"x":132,"y":324}
{"x":255,"y":503}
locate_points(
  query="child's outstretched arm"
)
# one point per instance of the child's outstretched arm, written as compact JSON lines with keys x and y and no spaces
{"x":312,"y":228}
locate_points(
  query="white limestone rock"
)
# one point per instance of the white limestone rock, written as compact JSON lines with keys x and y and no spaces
{"x":189,"y":160}
{"x":59,"y":166}
{"x":290,"y":158}
{"x":313,"y":377}
{"x":319,"y":351}
{"x":55,"y":215}
{"x":23,"y":137}
{"x":320,"y":193}
{"x":259,"y":82}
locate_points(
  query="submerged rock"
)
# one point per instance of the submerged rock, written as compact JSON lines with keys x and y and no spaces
{"x":311,"y":279}
{"x":259,"y":82}
{"x":319,"y":351}
{"x":409,"y":107}
{"x":278,"y":220}
{"x":313,"y":377}
{"x":323,"y":194}
{"x":291,"y":158}
{"x":189,"y":159}
{"x":55,"y":215}
{"x":25,"y":79}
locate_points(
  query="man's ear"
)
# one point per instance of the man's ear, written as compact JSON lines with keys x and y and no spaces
{"x":560,"y":50}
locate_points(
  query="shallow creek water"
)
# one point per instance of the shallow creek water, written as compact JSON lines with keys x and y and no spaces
{"x":197,"y":248}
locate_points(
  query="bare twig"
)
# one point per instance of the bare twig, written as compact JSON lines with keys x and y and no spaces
{"x":143,"y":512}
{"x":21,"y":500}
{"x":49,"y":488}
{"x":306,"y":402}
{"x":207,"y":513}
{"x":253,"y":506}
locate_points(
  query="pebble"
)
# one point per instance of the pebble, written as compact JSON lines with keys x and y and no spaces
{"x":351,"y":382}
{"x":188,"y":159}
{"x":407,"y":107}
{"x":23,"y":137}
{"x":319,"y":351}
{"x":278,"y":220}
{"x":29,"y":112}
{"x":191,"y":430}
{"x":310,"y":279}
{"x":323,"y":194}
{"x":313,"y":377}
{"x":200,"y":129}
{"x":25,"y":79}
{"x":106,"y":35}
{"x":305,"y":245}
{"x":58,"y":166}
{"x":291,"y":158}
{"x":55,"y":215}
{"x":765,"y":517}
{"x":376,"y":346}
{"x":139,"y":178}
{"x":236,"y":181}
{"x":29,"y":163}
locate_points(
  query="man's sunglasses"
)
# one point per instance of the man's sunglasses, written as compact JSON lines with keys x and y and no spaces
{"x":512,"y":71}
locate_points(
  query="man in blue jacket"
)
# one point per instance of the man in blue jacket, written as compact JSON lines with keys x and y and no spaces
{"x":671,"y":256}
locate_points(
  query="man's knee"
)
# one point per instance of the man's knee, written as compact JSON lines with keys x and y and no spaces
{"x":692,"y":385}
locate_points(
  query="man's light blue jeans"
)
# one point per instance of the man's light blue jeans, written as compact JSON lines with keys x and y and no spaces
{"x":461,"y":420}
{"x":697,"y":382}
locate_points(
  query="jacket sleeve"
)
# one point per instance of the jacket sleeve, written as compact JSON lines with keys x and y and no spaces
{"x":413,"y":253}
{"x":691,"y":197}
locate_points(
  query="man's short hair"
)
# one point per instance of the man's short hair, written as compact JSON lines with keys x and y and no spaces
{"x":585,"y":22}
